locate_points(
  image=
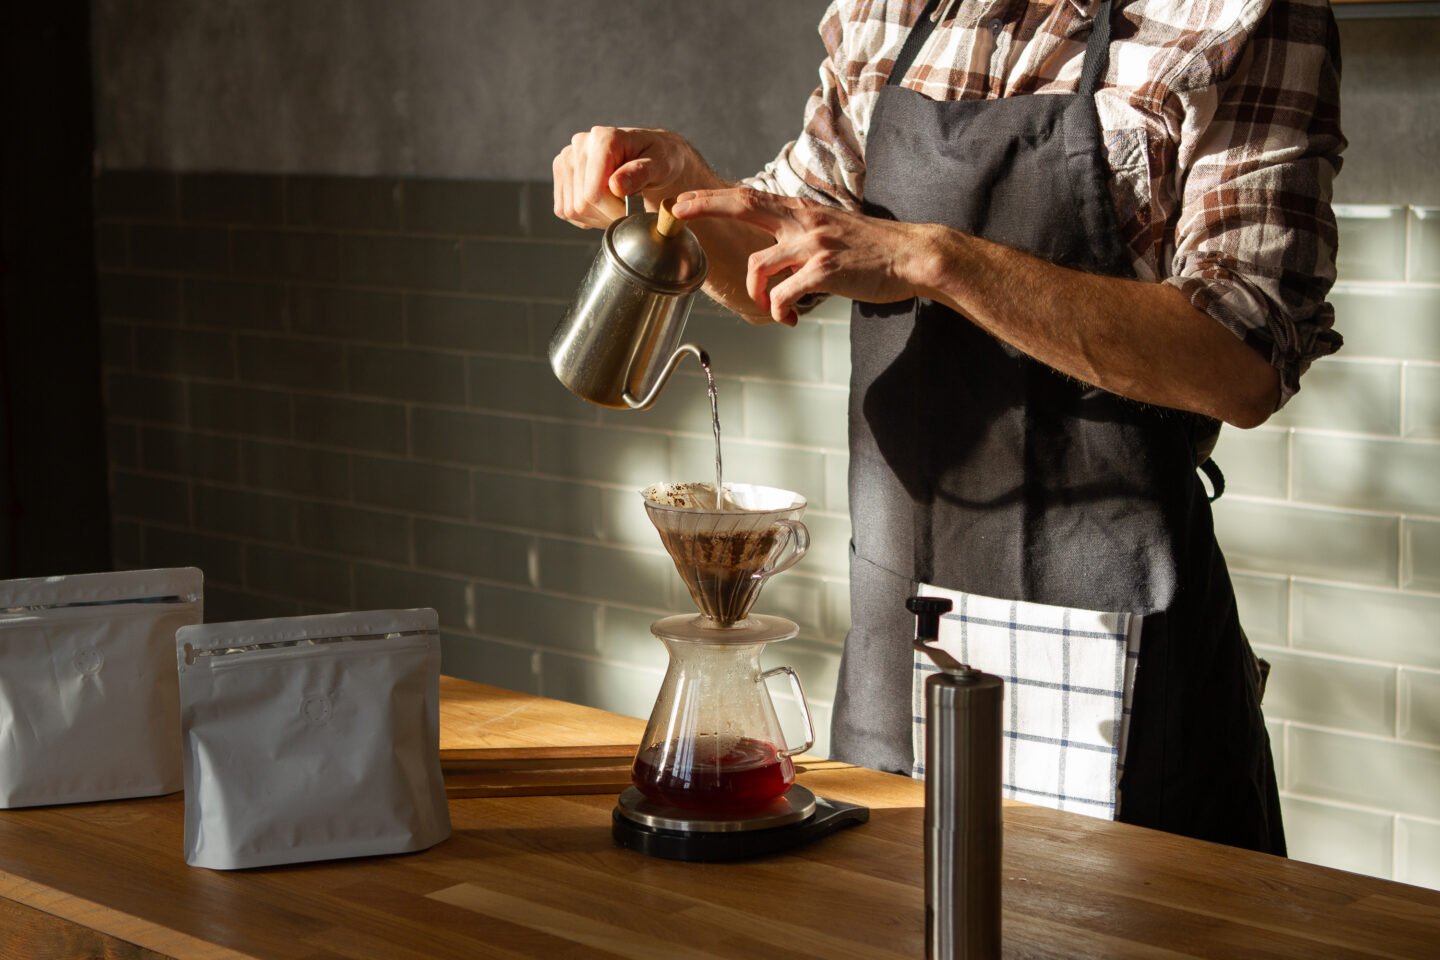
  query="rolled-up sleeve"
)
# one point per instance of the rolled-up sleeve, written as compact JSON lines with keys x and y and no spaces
{"x":826,"y":162}
{"x":1255,"y":237}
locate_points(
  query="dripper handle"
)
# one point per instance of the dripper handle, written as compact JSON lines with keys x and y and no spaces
{"x":797,"y":542}
{"x":804,"y":708}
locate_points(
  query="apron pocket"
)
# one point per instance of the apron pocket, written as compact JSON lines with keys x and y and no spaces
{"x":1069,"y":679}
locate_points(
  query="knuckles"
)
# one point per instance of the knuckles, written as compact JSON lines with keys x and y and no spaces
{"x":593,"y":195}
{"x":811,"y":216}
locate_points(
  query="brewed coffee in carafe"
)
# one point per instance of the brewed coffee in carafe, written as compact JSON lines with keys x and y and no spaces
{"x":714,"y":743}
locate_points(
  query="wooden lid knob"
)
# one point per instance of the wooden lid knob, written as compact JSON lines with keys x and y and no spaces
{"x":668,"y":224}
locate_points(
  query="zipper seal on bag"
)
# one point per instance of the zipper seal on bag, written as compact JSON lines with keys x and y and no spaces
{"x":41,"y":607}
{"x":192,"y":653}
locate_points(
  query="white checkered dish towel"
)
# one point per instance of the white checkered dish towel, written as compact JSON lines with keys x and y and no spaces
{"x":1069,"y":678}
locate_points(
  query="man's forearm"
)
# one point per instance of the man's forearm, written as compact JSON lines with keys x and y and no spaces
{"x":728,"y":245}
{"x":1136,"y":339}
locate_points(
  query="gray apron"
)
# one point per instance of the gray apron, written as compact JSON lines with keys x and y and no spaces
{"x":978,"y":469}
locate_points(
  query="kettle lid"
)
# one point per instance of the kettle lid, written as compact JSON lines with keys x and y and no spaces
{"x":658,"y":251}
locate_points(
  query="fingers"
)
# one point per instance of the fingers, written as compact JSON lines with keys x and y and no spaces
{"x":633,"y":177}
{"x":583,"y":197}
{"x":778,"y":276}
{"x":560,"y":175}
{"x":766,"y":211}
{"x":603,"y":152}
{"x":568,"y":203}
{"x":581,"y":210}
{"x":582,"y":174}
{"x":768,"y":263}
{"x":787,"y":293}
{"x":602,"y":165}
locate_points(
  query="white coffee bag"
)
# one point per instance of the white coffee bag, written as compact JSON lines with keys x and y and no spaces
{"x":89,"y":705}
{"x":311,"y":738}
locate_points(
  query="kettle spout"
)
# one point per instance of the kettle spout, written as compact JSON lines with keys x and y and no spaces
{"x":680,"y":353}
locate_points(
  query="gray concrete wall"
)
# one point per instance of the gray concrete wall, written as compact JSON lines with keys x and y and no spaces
{"x":1390,"y":111}
{"x":448,"y":88}
{"x":491,"y":89}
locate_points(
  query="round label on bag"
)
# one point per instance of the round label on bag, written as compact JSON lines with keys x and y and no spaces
{"x":316,"y":708}
{"x":89,"y":661}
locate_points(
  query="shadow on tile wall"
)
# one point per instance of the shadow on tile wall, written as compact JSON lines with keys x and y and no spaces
{"x":332,"y":393}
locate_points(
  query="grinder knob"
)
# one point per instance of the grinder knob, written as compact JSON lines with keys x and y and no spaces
{"x":928,"y":611}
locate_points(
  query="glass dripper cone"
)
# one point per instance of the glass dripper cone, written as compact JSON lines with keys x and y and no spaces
{"x":725,"y":555}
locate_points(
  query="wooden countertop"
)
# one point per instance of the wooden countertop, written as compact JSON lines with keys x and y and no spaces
{"x":538,"y":876}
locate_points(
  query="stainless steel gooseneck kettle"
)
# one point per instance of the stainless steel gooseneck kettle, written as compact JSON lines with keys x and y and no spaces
{"x":620,"y":340}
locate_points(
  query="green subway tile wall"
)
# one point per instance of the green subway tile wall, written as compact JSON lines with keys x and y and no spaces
{"x":1334,"y":537}
{"x":331,"y":392}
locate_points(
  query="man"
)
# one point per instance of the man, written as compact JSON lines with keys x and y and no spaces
{"x":1079,"y":235}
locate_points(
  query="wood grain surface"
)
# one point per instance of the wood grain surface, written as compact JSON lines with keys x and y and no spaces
{"x":30,"y":933}
{"x":538,"y":876}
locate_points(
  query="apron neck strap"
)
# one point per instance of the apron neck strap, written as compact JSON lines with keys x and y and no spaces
{"x":919,"y":33}
{"x":1097,"y":48}
{"x":1097,"y":52}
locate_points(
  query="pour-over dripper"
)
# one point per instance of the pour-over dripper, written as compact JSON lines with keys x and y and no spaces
{"x":725,"y":552}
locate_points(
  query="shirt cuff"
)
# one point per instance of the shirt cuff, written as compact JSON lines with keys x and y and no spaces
{"x":1289,"y":341}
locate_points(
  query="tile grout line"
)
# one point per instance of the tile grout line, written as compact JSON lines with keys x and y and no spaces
{"x":1400,"y":536}
{"x":1356,"y":807}
{"x":1429,"y":748}
{"x":1290,"y":464}
{"x":1400,"y":705}
{"x":1409,"y":242}
{"x":1290,"y":613}
{"x":1337,"y":584}
{"x":1399,"y":861}
{"x":1404,"y":406}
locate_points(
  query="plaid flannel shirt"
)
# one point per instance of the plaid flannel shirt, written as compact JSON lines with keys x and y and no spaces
{"x":1221,"y":128}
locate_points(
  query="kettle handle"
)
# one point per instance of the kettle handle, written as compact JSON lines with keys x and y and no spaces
{"x":670,"y":365}
{"x":634,"y":203}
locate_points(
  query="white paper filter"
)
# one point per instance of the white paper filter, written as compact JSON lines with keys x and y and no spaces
{"x":89,"y":705}
{"x":311,"y":738}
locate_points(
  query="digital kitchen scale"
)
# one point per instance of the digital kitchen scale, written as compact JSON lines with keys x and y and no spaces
{"x":672,"y":833}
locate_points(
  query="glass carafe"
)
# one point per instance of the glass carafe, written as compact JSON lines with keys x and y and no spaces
{"x":714,"y":744}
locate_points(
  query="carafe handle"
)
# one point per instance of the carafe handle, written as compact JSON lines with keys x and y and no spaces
{"x":800,"y":699}
{"x":797,"y":541}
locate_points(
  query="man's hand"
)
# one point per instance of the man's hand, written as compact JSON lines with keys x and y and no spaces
{"x":817,"y":249}
{"x":605,"y":164}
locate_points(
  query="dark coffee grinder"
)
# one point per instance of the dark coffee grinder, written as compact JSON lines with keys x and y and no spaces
{"x":963,"y":830}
